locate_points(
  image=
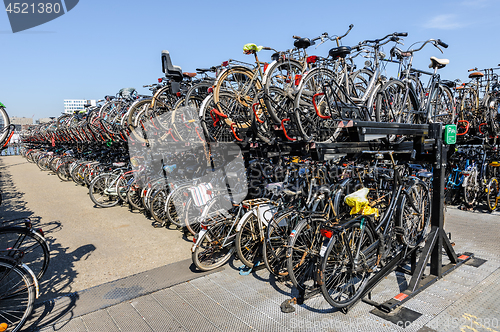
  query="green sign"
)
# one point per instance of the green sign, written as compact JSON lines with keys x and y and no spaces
{"x":450,"y":134}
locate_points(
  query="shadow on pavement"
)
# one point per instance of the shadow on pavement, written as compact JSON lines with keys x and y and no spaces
{"x":60,"y":274}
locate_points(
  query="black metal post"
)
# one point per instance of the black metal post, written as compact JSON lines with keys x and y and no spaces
{"x":437,"y":217}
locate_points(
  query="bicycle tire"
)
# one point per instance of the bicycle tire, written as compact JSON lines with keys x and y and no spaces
{"x":17,"y":296}
{"x":101,"y":193}
{"x":248,"y":243}
{"x":342,"y":280}
{"x":238,"y":81}
{"x":175,"y":204}
{"x":395,"y":102}
{"x":470,"y":187}
{"x":275,"y":246}
{"x":215,"y":129}
{"x":134,"y":197}
{"x":215,"y":247}
{"x":303,"y":252}
{"x":185,"y":121}
{"x":33,"y":244}
{"x":63,"y":171}
{"x":492,"y":190}
{"x":191,"y":222}
{"x":4,"y":123}
{"x":414,"y":217}
{"x":441,"y":105}
{"x":284,"y":76}
{"x":157,"y":207}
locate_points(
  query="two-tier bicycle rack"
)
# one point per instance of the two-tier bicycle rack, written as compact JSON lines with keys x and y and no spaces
{"x":426,"y":143}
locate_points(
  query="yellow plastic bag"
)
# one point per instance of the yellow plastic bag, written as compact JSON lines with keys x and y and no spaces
{"x":359,"y":202}
{"x":250,"y":48}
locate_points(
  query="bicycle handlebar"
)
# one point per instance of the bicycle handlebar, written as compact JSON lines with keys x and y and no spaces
{"x":376,"y":41}
{"x":433,"y":41}
{"x":440,"y":42}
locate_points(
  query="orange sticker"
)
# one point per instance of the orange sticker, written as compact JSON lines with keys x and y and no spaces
{"x":400,"y":296}
{"x":463,"y":257}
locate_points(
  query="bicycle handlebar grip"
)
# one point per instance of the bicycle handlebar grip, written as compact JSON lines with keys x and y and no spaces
{"x":266,"y":48}
{"x":295,"y":37}
{"x":440,"y":42}
{"x":402,"y":34}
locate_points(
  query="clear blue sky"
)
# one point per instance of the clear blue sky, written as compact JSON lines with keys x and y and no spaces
{"x":102,"y":46}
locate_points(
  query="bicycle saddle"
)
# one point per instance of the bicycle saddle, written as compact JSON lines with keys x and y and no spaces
{"x":476,"y":74}
{"x":185,"y":74}
{"x":494,"y":164}
{"x":450,"y":84}
{"x":438,"y":63}
{"x":303,"y":43}
{"x":340,"y":52}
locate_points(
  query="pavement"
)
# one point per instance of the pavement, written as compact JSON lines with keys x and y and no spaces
{"x":173,"y":297}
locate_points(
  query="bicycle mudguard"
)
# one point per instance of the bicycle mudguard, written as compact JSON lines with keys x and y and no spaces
{"x":240,"y":68}
{"x":247,"y":215}
{"x":198,"y":238}
{"x":2,"y":105}
{"x":266,"y":72}
{"x":263,"y":212}
{"x":34,"y":280}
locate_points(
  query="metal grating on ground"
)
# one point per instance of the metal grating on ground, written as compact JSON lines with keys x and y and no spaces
{"x":227,"y":301}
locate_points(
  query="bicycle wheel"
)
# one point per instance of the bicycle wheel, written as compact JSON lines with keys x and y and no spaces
{"x":414,"y":212}
{"x":492,"y":190}
{"x":211,"y":251}
{"x":493,"y":106}
{"x":343,"y":278}
{"x":248,"y":241}
{"x":395,"y":102}
{"x":214,"y":126}
{"x":33,"y":244}
{"x":176,"y":204}
{"x":102,"y":190}
{"x":4,"y":123}
{"x":185,"y":121}
{"x":274,"y":249}
{"x":134,"y":197}
{"x":215,"y":245}
{"x":311,"y":126}
{"x":192,"y":215}
{"x":63,"y":171}
{"x":158,"y":207}
{"x":283,"y":76}
{"x":303,"y":252}
{"x":17,"y":295}
{"x":200,"y":90}
{"x":471,"y":186}
{"x":359,"y":81}
{"x":441,"y":105}
{"x":239,"y":81}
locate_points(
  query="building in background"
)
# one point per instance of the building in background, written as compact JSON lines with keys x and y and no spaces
{"x":44,"y":120}
{"x":21,"y":123}
{"x":72,"y":105}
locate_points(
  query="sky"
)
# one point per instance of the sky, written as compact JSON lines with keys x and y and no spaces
{"x":101,"y":46}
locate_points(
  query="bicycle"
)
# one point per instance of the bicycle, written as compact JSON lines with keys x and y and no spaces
{"x":354,"y":248}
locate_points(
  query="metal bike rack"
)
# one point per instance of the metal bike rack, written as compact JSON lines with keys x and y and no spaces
{"x":429,"y":147}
